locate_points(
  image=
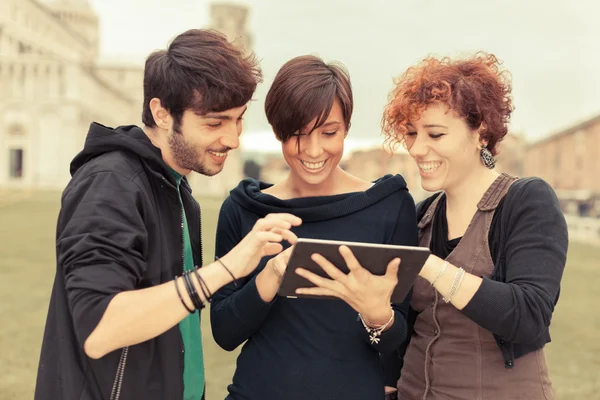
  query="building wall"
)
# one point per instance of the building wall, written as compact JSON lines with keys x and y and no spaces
{"x":128,"y":79}
{"x":29,"y":27}
{"x":569,"y":160}
{"x":511,"y":155}
{"x":53,"y":88}
{"x":50,"y":94}
{"x":78,"y":17}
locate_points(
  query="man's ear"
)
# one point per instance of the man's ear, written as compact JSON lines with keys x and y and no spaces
{"x":162,"y":117}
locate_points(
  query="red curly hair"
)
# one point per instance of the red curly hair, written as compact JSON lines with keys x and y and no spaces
{"x":476,"y":88}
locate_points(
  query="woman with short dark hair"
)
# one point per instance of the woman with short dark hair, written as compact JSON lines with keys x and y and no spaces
{"x":312,"y":348}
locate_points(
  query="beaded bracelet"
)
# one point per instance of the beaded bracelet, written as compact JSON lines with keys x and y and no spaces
{"x":374,"y":333}
{"x":460,"y":274}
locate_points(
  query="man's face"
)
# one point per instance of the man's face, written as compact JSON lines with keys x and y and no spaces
{"x":201,"y":142}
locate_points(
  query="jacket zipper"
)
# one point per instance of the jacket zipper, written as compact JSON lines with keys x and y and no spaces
{"x":182,"y":358}
{"x":201,"y":262}
{"x":118,"y":383}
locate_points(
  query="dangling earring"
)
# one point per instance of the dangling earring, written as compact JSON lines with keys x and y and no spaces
{"x":487,"y":158}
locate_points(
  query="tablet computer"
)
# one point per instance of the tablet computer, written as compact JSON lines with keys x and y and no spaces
{"x":373,"y":257}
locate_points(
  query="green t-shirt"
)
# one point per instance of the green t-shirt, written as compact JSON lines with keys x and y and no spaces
{"x":193,"y":358}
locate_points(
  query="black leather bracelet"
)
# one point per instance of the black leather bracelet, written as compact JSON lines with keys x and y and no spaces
{"x":181,"y":297}
{"x":235,"y":283}
{"x":192,"y":290}
{"x":207,"y":294}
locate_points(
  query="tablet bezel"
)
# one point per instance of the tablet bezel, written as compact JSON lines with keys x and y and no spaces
{"x":413,"y":258}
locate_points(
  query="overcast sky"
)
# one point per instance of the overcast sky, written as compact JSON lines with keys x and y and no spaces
{"x":552,"y":48}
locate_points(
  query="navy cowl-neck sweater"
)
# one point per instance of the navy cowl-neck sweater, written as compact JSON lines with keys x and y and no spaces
{"x":299,"y":349}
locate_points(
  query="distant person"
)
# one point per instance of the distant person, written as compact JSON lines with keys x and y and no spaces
{"x":124,"y":316}
{"x":483,"y":304}
{"x":300,"y":349}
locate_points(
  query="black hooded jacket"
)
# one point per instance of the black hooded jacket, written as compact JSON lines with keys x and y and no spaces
{"x":119,"y":229}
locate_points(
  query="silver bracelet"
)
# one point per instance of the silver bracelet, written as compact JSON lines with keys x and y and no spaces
{"x":460,"y":274}
{"x":440,"y":273}
{"x":374,"y":333}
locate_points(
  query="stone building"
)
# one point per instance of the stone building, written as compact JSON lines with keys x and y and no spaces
{"x":53,"y":87}
{"x":569,"y":161}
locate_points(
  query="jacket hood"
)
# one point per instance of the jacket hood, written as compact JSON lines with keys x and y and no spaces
{"x":101,"y":139}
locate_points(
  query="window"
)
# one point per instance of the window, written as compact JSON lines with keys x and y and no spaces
{"x":16,"y":163}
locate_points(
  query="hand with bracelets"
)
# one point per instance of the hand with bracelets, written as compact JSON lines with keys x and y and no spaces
{"x":454,"y":284}
{"x":366,"y":293}
{"x":194,"y":286}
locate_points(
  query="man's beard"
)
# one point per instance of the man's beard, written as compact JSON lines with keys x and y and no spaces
{"x":186,"y":157}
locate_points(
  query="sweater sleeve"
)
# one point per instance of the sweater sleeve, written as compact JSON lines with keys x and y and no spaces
{"x":406,"y":234}
{"x":519,"y":309}
{"x":100,"y":245}
{"x":236,"y":313}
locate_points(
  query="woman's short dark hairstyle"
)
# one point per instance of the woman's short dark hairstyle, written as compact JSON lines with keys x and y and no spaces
{"x":202,"y":71}
{"x":305,"y":88}
{"x":477,"y":88}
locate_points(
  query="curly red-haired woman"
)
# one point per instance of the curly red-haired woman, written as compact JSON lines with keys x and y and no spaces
{"x":484,"y":300}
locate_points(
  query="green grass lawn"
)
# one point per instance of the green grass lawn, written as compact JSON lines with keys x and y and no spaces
{"x":27,"y":265}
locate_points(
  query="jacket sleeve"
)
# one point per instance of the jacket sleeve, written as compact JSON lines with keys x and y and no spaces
{"x":100,"y":245}
{"x":236,"y":313}
{"x":405,"y":233}
{"x":519,"y":309}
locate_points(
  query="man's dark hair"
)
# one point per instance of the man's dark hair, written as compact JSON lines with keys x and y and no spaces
{"x":305,"y":88}
{"x":201,"y":71}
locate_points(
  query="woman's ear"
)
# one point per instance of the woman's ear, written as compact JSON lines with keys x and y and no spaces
{"x":480,"y":136}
